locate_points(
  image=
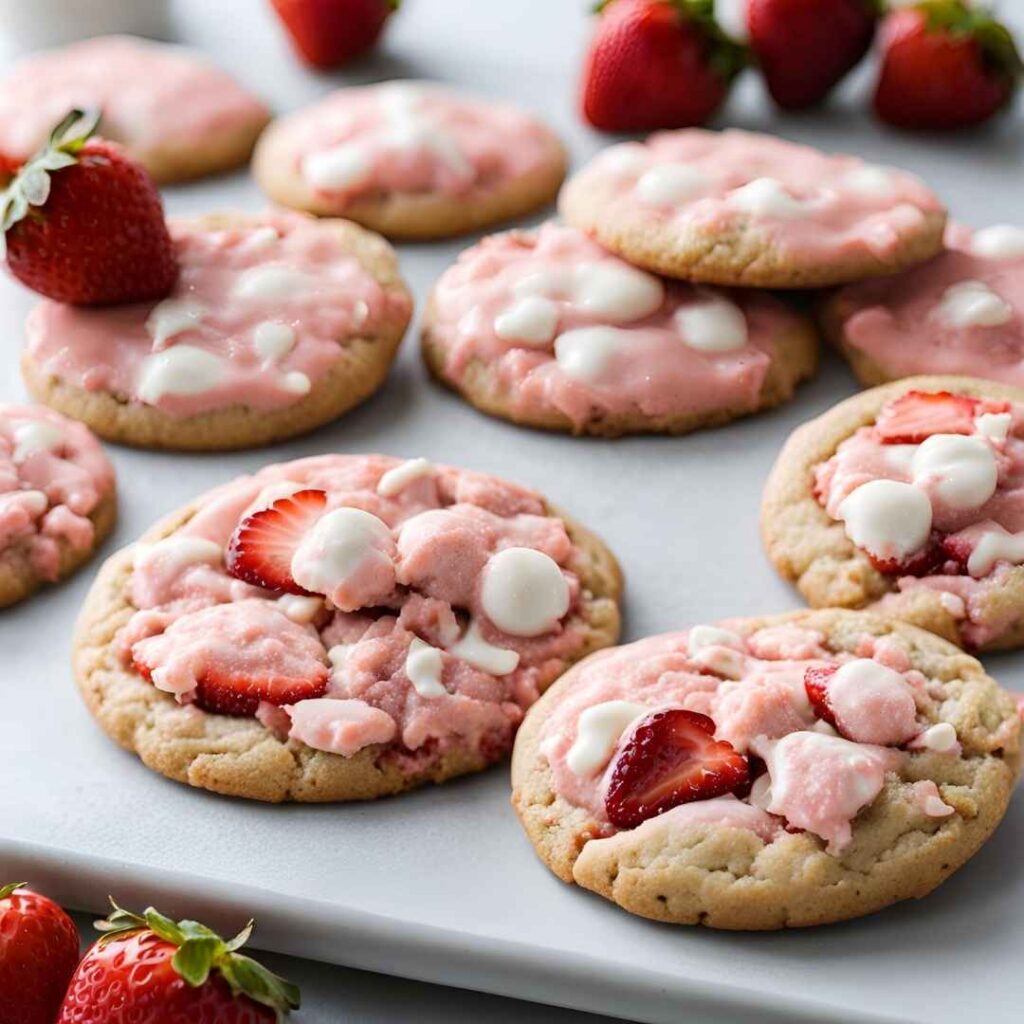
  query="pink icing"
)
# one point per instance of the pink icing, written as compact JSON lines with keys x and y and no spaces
{"x":281,"y":272}
{"x":863,"y":457}
{"x":151,"y":95}
{"x":410,"y":137}
{"x":816,"y":780}
{"x":653,"y":370}
{"x":898,"y":324}
{"x":179,"y":585}
{"x":53,"y":474}
{"x":837,"y":213}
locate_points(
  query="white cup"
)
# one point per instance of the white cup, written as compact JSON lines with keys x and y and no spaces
{"x":30,"y":24}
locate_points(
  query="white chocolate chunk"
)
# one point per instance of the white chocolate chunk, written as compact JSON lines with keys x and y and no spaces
{"x":722,"y":661}
{"x":478,"y":652}
{"x":999,"y":242}
{"x":712,"y":325}
{"x":973,"y":304}
{"x":666,"y":184}
{"x":940,"y":737}
{"x":587,"y":353}
{"x":31,"y":436}
{"x":615,"y":291}
{"x":270,"y":283}
{"x":766,"y":197}
{"x":181,"y":370}
{"x":172,"y":317}
{"x":524,"y":592}
{"x":598,"y":731}
{"x":338,"y":655}
{"x":337,"y":167}
{"x":273,"y":340}
{"x":962,"y":469}
{"x":711,"y":636}
{"x":300,"y":608}
{"x":297,"y":382}
{"x":423,"y":666}
{"x":394,"y":481}
{"x":870,"y":180}
{"x":888,"y":518}
{"x":994,"y":425}
{"x":532,"y":319}
{"x":178,"y":552}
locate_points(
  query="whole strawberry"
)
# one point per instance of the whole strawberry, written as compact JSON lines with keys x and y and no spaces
{"x":945,"y":65}
{"x":38,"y":954}
{"x":657,"y":64}
{"x":328,"y":33}
{"x":84,"y":224}
{"x":804,"y":47}
{"x":152,"y":970}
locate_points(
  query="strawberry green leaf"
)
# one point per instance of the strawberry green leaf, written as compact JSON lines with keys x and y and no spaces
{"x":261,"y":985}
{"x":9,"y":888}
{"x":195,"y":959}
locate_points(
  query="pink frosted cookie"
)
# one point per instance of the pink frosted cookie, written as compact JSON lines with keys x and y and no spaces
{"x":176,"y":114}
{"x":57,"y":498}
{"x":909,"y":498}
{"x":548,"y":329}
{"x":962,"y":312}
{"x":767,"y":773}
{"x":737,"y":208}
{"x":278,"y":324}
{"x":411,"y":160}
{"x":341,"y":627}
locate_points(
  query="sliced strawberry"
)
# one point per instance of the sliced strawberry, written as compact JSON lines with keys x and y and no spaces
{"x":671,"y":758}
{"x":921,"y":563}
{"x":915,"y":416}
{"x":261,"y":548}
{"x":755,"y":769}
{"x":816,"y":684}
{"x":241,"y":695}
{"x":957,"y":548}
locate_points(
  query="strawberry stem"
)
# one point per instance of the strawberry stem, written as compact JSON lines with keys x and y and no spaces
{"x":201,"y":951}
{"x":9,"y":888}
{"x":992,"y":36}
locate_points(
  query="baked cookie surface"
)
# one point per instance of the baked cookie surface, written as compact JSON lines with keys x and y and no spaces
{"x":278,"y":323}
{"x":795,"y":821}
{"x":908,"y":498}
{"x":411,"y":160}
{"x":423,"y":609}
{"x":57,"y":498}
{"x":175,"y":113}
{"x":960,"y":313}
{"x":744,"y":209}
{"x":547,"y":329}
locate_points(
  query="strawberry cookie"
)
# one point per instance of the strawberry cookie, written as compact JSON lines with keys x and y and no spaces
{"x":411,"y":160}
{"x":738,"y":208}
{"x":767,"y":773}
{"x":909,"y":498}
{"x":342,"y":627}
{"x":277,"y":324}
{"x":172,"y":111}
{"x":57,"y":500}
{"x":962,"y":312}
{"x":548,"y":329}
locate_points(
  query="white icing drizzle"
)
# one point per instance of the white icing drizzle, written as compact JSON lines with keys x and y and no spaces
{"x":423,"y":666}
{"x":973,"y":304}
{"x":394,"y":481}
{"x":598,"y":731}
{"x":478,"y":652}
{"x":31,"y":436}
{"x":714,"y":324}
{"x":887,"y":517}
{"x":181,"y":370}
{"x":962,"y":469}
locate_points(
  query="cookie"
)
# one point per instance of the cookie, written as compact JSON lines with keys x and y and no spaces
{"x":278,"y":324}
{"x":960,"y":313}
{"x":341,"y":627}
{"x":907,"y":499}
{"x":767,"y":773}
{"x":175,"y":113}
{"x":547,"y":329}
{"x":57,"y":498}
{"x":411,"y":160}
{"x":742,"y":209}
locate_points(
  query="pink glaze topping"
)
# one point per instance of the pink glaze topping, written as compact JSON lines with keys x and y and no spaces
{"x":960,"y":313}
{"x":259,"y":315}
{"x":803,"y":202}
{"x":419,"y":666}
{"x":53,"y":474}
{"x":409,"y":138}
{"x":566,"y":326}
{"x":151,"y":95}
{"x":752,"y":687}
{"x":952,"y":521}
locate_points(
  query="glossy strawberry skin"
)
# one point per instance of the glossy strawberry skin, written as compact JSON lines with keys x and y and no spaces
{"x":932,"y":78}
{"x":38,"y":955}
{"x":671,"y":758}
{"x":649,"y":67}
{"x":130,"y":980}
{"x":816,"y":685}
{"x":804,"y":47}
{"x":916,"y":415}
{"x":329,"y":33}
{"x":101,"y":237}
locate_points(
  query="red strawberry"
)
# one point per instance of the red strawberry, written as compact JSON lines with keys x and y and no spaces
{"x":84,"y":224}
{"x":657,"y":64}
{"x":326,"y":33}
{"x":38,"y":955}
{"x":672,"y":757}
{"x":152,"y":970}
{"x":804,"y":47}
{"x":958,"y":549}
{"x":916,"y":415}
{"x":261,"y":548}
{"x":945,"y":64}
{"x":816,"y":684}
{"x":920,"y":563}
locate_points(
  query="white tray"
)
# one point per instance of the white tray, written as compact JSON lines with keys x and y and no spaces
{"x":442,"y":885}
